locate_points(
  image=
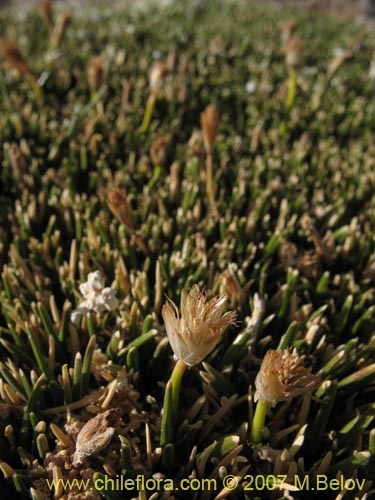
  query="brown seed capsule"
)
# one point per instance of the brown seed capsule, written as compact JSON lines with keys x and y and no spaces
{"x":210,"y":120}
{"x":288,"y":29}
{"x":11,"y":53}
{"x":95,"y":73}
{"x":96,"y":434}
{"x":293,"y":53}
{"x":158,"y":152}
{"x":288,"y":254}
{"x":46,"y":11}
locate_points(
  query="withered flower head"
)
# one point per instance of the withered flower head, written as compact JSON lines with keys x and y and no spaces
{"x":342,"y":55}
{"x":282,"y":376}
{"x":372,"y":68}
{"x":61,"y":25}
{"x":293,"y":53}
{"x":233,"y":286}
{"x":96,"y":434}
{"x":288,"y":254}
{"x":288,"y":29}
{"x":119,"y":205}
{"x":11,"y":53}
{"x":210,"y":120}
{"x":158,"y":152}
{"x":95,"y":73}
{"x":46,"y":11}
{"x":200,"y":327}
{"x":158,"y":73}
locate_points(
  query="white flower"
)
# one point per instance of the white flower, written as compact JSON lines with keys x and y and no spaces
{"x":200,"y":327}
{"x":250,"y":87}
{"x":98,"y":298}
{"x":94,"y":284}
{"x":158,"y":73}
{"x":338,"y":52}
{"x":130,"y":29}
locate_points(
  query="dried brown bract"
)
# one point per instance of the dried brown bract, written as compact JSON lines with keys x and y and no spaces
{"x":282,"y":376}
{"x":96,"y":434}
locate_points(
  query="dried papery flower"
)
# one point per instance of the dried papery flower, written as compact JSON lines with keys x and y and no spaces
{"x":96,"y":434}
{"x":192,"y":336}
{"x":293,"y":53}
{"x":158,"y":73}
{"x":98,"y":298}
{"x":158,"y":152}
{"x":210,"y":121}
{"x":195,"y":333}
{"x":95,"y":73}
{"x":288,"y":29}
{"x":282,"y":376}
{"x":61,"y":25}
{"x":119,"y":205}
{"x":46,"y":11}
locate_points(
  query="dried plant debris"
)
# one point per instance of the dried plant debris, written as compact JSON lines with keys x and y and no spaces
{"x":147,"y":155}
{"x":96,"y":434}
